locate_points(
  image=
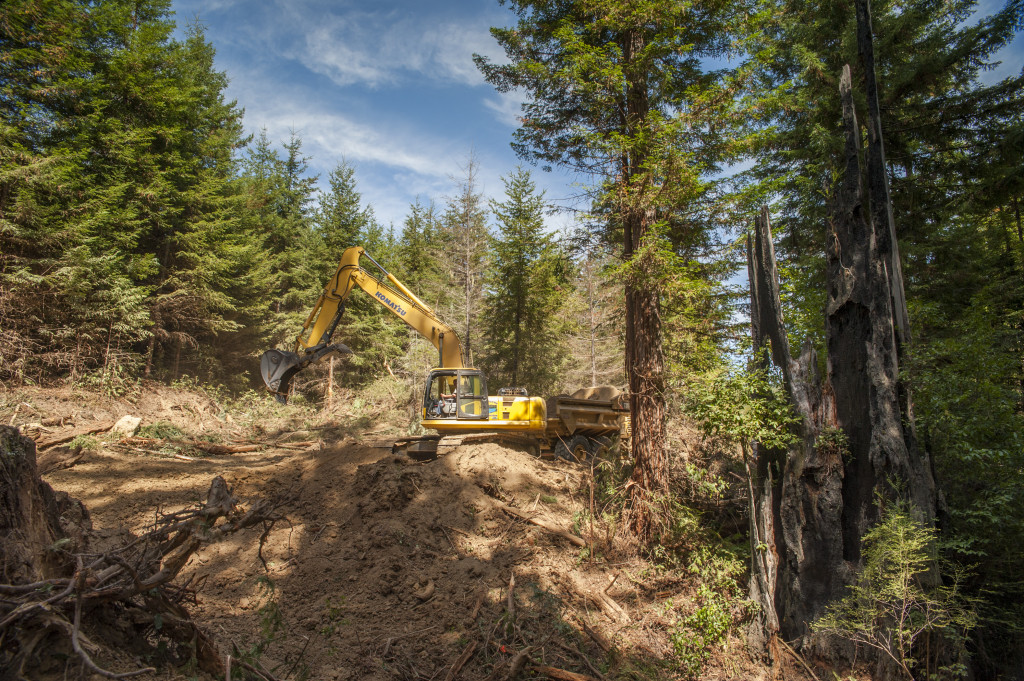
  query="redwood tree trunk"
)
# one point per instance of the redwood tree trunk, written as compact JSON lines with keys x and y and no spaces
{"x":645,"y":369}
{"x":645,"y":364}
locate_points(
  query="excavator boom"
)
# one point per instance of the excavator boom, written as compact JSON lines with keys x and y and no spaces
{"x":278,"y":367}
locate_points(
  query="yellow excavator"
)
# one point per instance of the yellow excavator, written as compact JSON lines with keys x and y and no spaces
{"x":455,"y":399}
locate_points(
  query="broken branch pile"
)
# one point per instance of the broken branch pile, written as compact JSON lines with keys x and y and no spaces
{"x":130,"y":584}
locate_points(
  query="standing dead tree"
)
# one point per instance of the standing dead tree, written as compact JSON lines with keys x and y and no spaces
{"x":796,"y":493}
{"x":50,"y":579}
{"x":812,"y":503}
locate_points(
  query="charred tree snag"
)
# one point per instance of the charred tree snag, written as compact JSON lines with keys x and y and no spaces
{"x":796,"y":494}
{"x":880,"y":202}
{"x":878,"y":179}
{"x":863,"y":359}
{"x":812,"y":504}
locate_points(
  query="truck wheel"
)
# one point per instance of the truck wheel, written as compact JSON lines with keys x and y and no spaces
{"x":601,"y":446}
{"x":577,"y":448}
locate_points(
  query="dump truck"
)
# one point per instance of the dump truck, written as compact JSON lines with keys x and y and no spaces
{"x":456,"y":403}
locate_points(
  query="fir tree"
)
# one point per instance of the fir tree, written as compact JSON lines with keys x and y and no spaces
{"x":464,"y":254}
{"x":525,"y":336}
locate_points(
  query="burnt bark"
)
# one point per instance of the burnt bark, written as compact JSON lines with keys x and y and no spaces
{"x":883,"y":458}
{"x":812,"y":503}
{"x":880,"y":202}
{"x":878,"y":179}
{"x":796,"y":493}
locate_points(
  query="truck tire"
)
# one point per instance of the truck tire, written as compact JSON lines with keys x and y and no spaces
{"x":575,"y":448}
{"x":601,"y":447}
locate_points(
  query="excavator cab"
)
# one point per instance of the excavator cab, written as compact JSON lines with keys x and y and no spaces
{"x":455,"y":394}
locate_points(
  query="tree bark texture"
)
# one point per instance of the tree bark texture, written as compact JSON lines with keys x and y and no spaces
{"x":863,"y":359}
{"x":33,"y":518}
{"x":645,"y":363}
{"x":796,"y":494}
{"x":812,"y":504}
{"x":645,"y":367}
{"x":880,"y":202}
{"x":878,"y":179}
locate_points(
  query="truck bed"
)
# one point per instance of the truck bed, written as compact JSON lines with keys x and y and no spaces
{"x":568,"y":415}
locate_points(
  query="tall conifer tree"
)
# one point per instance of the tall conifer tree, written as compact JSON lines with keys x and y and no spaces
{"x":525,"y":337}
{"x":617,"y":89}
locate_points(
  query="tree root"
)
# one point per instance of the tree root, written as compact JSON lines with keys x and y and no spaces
{"x":136,"y":578}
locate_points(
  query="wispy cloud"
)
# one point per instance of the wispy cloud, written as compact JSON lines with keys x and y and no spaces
{"x":379,"y":48}
{"x":328,"y":135}
{"x":507,"y":106}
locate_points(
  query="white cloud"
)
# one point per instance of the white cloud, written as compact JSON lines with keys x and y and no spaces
{"x":330,"y":136}
{"x":508,"y":107}
{"x":383,"y":48}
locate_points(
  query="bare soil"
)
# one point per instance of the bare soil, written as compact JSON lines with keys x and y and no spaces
{"x":385,"y":568}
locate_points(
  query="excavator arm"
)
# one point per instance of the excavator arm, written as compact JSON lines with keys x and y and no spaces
{"x":314,"y":341}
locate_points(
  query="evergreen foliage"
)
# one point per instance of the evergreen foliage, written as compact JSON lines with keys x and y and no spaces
{"x":144,"y":233}
{"x":463,"y":254}
{"x":525,"y":326}
{"x":953,"y":147}
{"x":620,"y":91}
{"x":890,"y":609}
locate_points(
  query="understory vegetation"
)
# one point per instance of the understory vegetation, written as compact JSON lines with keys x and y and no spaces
{"x":147,"y":234}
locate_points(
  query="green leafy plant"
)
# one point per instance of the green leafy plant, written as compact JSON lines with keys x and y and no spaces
{"x":697,"y":634}
{"x":742,"y":406}
{"x":161,"y":430}
{"x":890,"y":606}
{"x":85,"y":442}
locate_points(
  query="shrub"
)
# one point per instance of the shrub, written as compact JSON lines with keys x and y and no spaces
{"x":889,"y":607}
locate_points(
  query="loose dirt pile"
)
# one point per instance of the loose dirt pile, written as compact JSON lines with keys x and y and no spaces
{"x":387,"y":568}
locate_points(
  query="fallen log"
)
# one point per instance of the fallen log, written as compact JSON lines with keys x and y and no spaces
{"x":100,"y":427}
{"x":561,"y":674}
{"x":220,"y":450}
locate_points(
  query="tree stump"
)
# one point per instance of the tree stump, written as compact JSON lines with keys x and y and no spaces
{"x":39,"y":529}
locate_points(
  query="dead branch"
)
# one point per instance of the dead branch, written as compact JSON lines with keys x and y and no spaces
{"x":561,"y":674}
{"x":476,"y":607}
{"x":100,"y":427}
{"x":58,"y":458}
{"x":543,"y":524}
{"x":453,"y":673}
{"x":220,"y":450}
{"x":581,"y":656}
{"x":86,"y":660}
{"x":137,"y":575}
{"x":598,"y":637}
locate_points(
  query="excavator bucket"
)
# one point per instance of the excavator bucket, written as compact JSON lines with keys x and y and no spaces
{"x":278,"y":367}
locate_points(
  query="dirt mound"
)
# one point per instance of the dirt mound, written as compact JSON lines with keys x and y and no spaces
{"x":386,"y":568}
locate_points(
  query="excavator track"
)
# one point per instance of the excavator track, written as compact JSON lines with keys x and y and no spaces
{"x":426,"y":447}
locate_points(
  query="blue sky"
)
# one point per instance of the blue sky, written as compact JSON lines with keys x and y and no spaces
{"x":388,"y":85}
